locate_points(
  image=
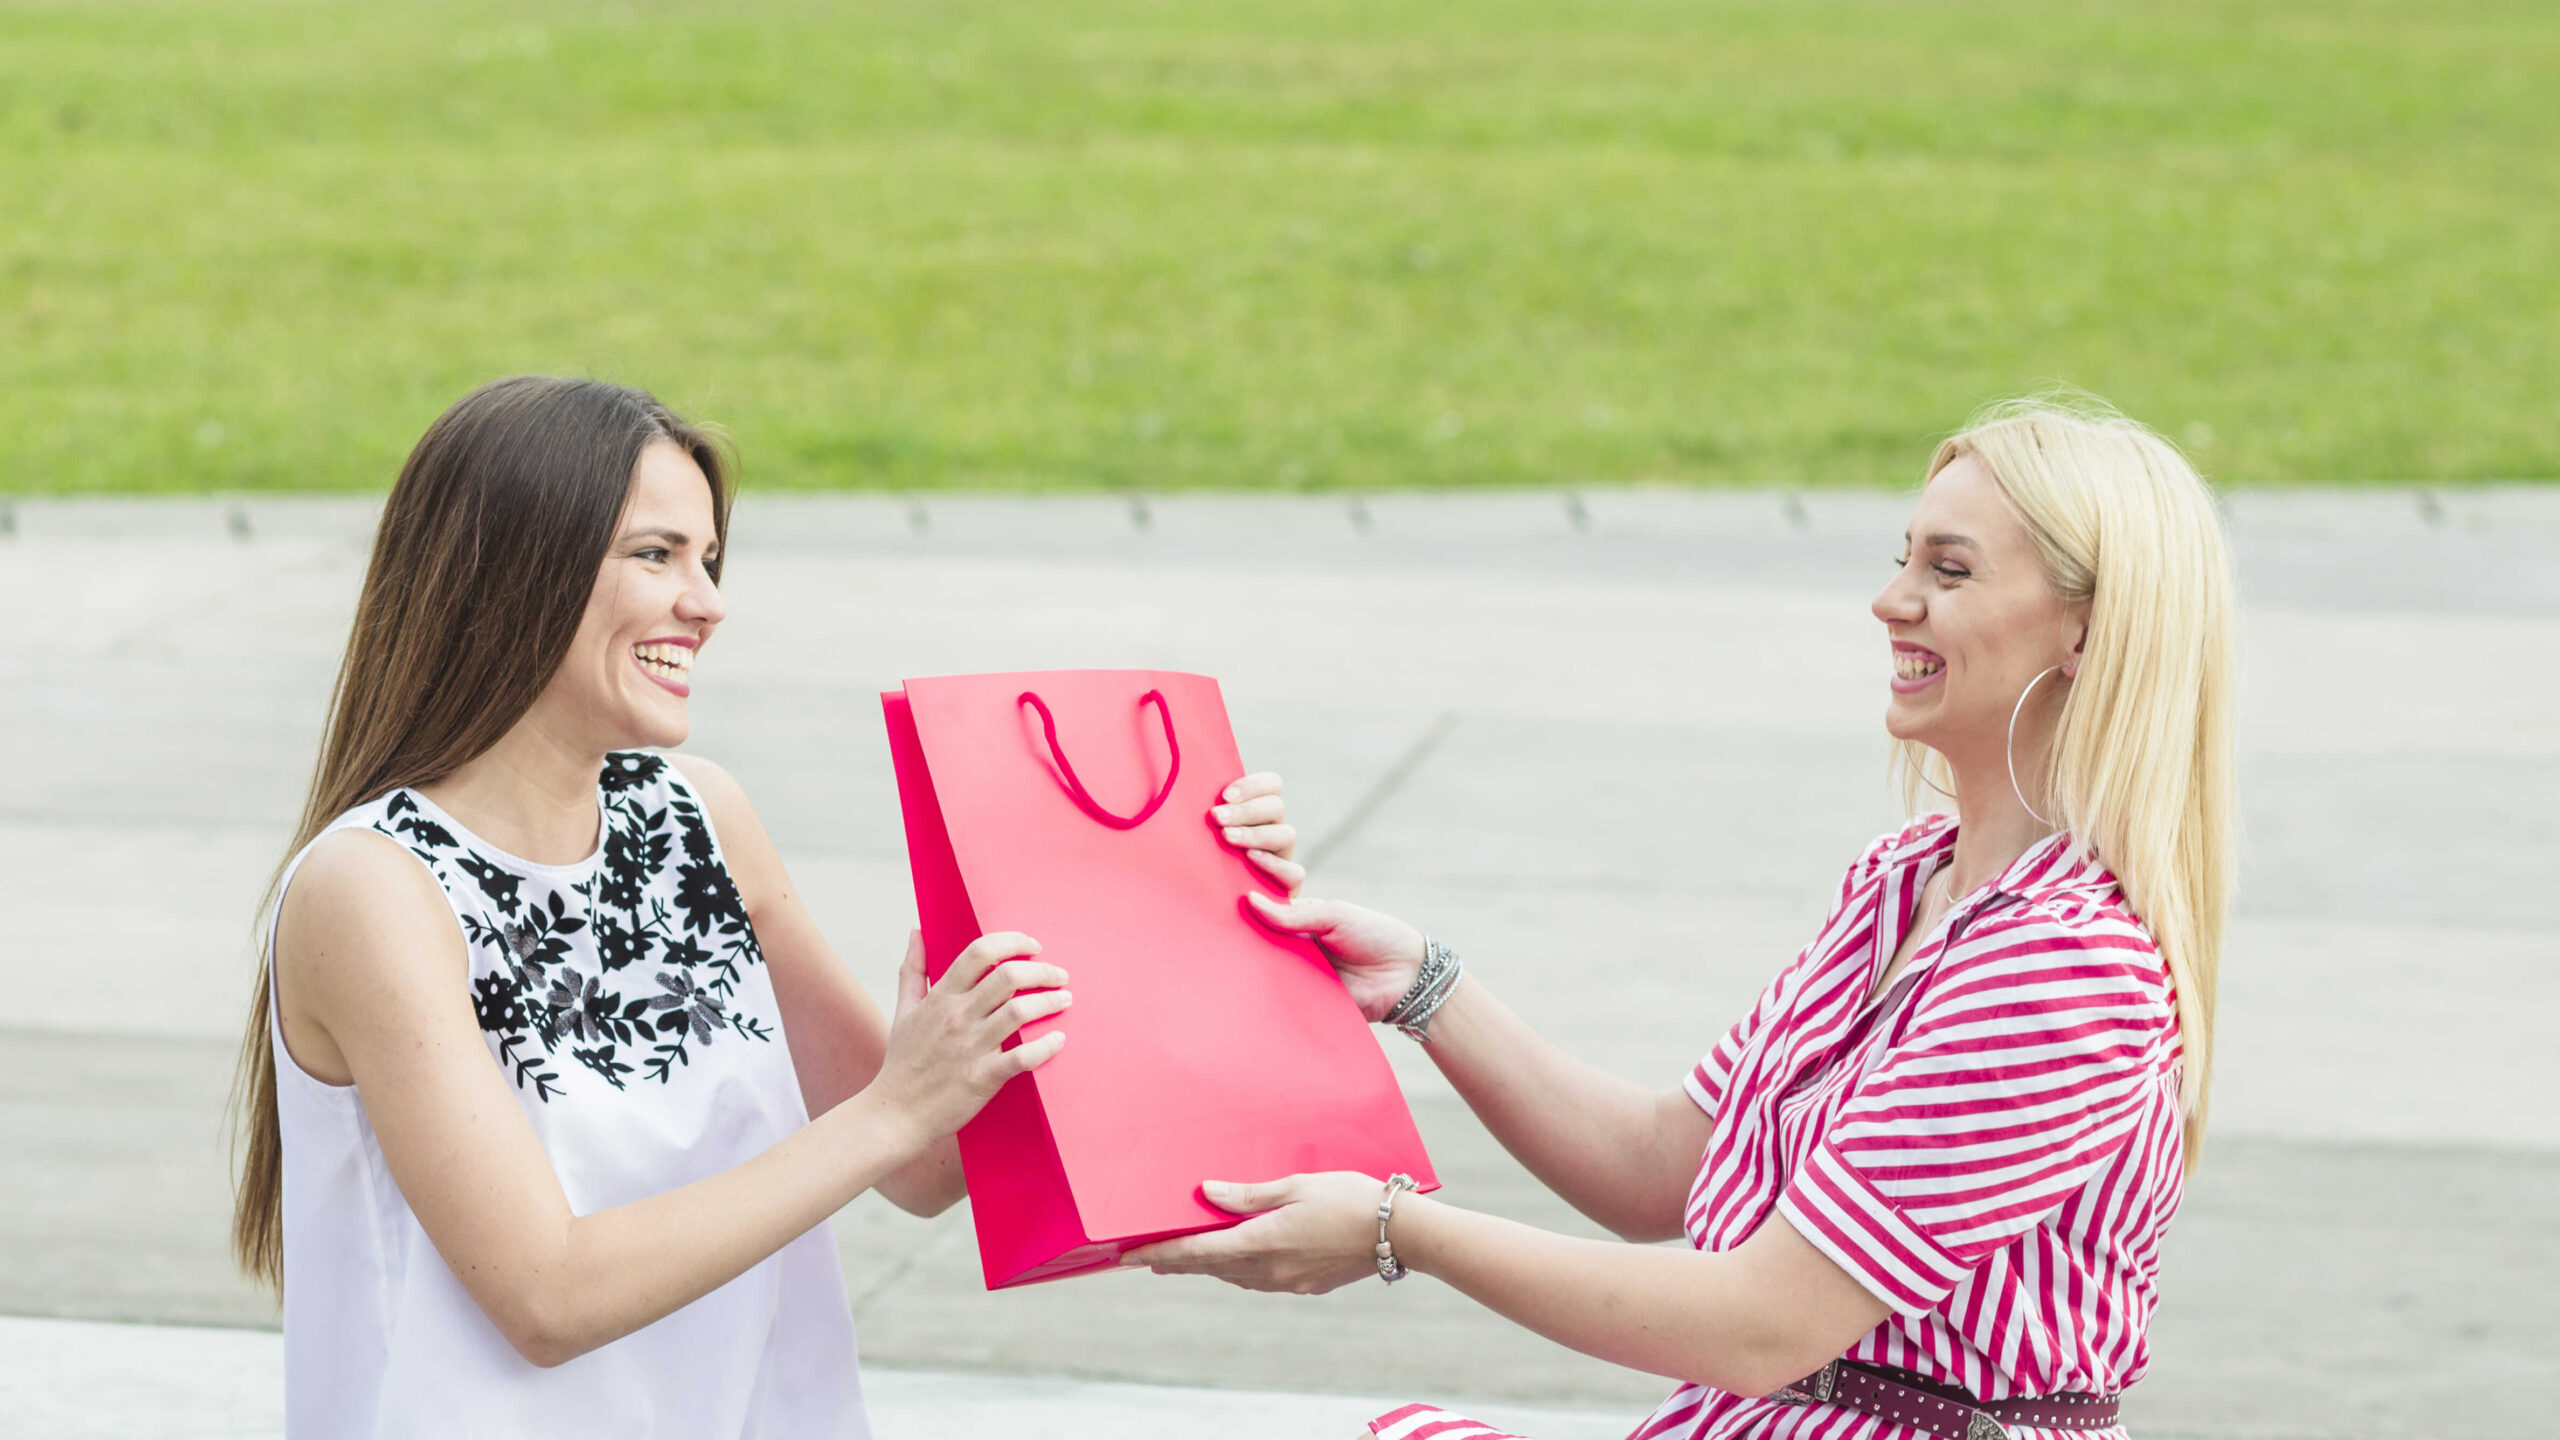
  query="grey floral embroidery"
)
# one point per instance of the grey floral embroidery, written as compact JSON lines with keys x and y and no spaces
{"x":675,"y":926}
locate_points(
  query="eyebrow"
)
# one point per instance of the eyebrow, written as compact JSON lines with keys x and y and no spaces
{"x":1947,"y":539}
{"x":673,"y":537}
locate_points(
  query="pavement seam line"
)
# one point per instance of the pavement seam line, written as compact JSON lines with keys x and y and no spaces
{"x":1397,"y":773}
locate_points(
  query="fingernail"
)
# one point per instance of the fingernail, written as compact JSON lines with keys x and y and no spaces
{"x":1215,"y":1189}
{"x":1234,"y":833}
{"x":1227,"y":794}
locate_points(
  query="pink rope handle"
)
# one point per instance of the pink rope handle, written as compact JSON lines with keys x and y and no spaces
{"x":1075,"y":787}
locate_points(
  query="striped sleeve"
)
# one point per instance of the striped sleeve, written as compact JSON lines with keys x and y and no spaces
{"x":2028,"y":1061}
{"x":1423,"y":1422}
{"x":1712,"y":1078}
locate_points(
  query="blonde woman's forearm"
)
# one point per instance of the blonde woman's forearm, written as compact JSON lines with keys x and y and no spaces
{"x":1619,"y":1153}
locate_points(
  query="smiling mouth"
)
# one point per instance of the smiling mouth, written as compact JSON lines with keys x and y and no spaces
{"x":1916,"y":664}
{"x":664,"y":662}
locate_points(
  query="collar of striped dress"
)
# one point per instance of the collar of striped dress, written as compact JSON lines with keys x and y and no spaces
{"x":2055,"y":866}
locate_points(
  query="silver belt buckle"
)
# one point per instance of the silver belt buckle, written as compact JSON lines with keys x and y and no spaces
{"x":1818,"y":1388}
{"x":1981,"y":1426}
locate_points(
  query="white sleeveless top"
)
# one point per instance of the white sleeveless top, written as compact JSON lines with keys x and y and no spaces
{"x":627,"y":1003}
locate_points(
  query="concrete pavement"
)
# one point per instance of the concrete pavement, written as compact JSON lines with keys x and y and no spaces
{"x":1615,"y":746}
{"x":175,"y":1383}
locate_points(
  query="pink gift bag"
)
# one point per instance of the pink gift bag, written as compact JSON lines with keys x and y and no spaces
{"x":1072,"y":805}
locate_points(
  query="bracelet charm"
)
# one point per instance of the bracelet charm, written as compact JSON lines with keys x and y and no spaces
{"x":1390,"y":1269}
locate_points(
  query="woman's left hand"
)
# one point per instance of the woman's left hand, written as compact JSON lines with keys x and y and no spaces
{"x":1309,"y":1234}
{"x":1251,"y":817}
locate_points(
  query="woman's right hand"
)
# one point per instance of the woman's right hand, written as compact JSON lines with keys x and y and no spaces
{"x":946,"y":1055}
{"x":1376,"y":955}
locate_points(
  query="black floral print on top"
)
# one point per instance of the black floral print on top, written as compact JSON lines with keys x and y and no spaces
{"x":624,"y":973}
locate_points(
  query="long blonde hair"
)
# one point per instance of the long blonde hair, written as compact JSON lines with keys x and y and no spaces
{"x":2140,"y":768}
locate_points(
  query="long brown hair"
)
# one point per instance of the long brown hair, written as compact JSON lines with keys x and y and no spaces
{"x":482,"y":568}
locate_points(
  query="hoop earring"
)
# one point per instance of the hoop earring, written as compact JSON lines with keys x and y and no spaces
{"x":2009,"y":749}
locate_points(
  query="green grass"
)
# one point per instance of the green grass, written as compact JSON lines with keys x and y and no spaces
{"x":1297,"y":243}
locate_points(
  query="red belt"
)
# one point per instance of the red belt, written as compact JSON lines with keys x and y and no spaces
{"x":1946,"y":1411}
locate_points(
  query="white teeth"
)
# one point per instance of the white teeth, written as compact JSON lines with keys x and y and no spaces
{"x":664,"y":659}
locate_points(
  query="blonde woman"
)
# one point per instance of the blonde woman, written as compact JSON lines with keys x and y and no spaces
{"x":1925,"y":1181}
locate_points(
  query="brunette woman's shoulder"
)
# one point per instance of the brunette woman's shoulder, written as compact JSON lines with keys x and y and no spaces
{"x":712,"y":783}
{"x":362,"y":924}
{"x":753,"y":862}
{"x":360,"y":869}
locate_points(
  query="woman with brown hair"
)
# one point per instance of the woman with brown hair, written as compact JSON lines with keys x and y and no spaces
{"x":541,"y":1024}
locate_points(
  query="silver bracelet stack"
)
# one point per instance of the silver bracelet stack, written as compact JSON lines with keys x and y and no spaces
{"x":1431,"y":986}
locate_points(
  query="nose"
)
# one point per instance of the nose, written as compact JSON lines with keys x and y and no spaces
{"x":701,"y":603}
{"x":1899,"y":603}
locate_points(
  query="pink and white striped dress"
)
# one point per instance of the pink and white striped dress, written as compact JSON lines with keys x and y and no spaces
{"x":1994,"y":1150}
